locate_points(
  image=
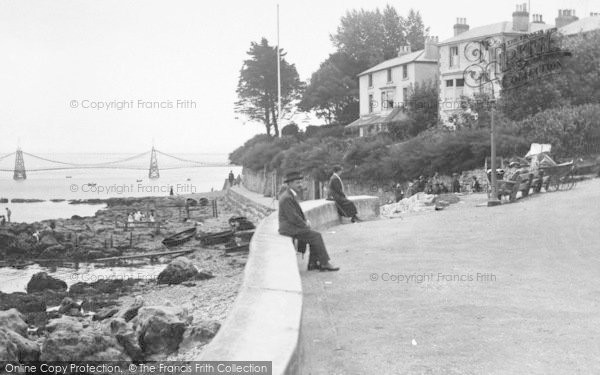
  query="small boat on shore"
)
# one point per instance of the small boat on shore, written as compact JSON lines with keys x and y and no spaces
{"x":179,"y":238}
{"x":216,"y":238}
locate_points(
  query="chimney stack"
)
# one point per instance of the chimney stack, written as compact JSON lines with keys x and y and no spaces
{"x":403,"y":50}
{"x":432,"y":50}
{"x":565,"y":17}
{"x":537,"y":18}
{"x":521,"y":18}
{"x":460,"y":26}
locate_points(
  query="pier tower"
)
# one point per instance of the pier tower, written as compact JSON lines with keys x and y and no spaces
{"x":20,"y":173}
{"x":153,"y":171}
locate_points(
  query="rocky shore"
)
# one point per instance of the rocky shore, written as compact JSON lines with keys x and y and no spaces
{"x":171,"y":316}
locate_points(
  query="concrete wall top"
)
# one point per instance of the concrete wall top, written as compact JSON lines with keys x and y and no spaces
{"x":264,"y":323}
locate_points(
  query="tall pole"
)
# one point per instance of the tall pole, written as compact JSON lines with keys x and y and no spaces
{"x":278,"y":73}
{"x":493,"y":200}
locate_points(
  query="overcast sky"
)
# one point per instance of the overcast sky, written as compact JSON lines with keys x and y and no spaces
{"x":60,"y":56}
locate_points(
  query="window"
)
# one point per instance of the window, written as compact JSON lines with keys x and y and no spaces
{"x":460,"y":82}
{"x":370,"y":102}
{"x":454,"y":56}
{"x":389,"y":75}
{"x":370,"y":80}
{"x":449,"y":82}
{"x":405,"y":71}
{"x":387,"y":99}
{"x":405,"y":94}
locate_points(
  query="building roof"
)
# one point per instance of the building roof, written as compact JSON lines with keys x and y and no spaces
{"x":397,"y":114}
{"x":504,"y":27}
{"x":581,"y":26}
{"x":417,"y":56}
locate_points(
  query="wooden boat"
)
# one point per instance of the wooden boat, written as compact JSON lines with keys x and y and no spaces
{"x":238,"y":248}
{"x":179,"y":238}
{"x":216,"y":238}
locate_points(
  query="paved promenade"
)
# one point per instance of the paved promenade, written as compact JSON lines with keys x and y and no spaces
{"x":513,"y":289}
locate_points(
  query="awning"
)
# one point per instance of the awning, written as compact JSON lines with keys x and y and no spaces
{"x":397,"y":114}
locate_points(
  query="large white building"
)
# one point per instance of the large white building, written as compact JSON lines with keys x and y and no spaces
{"x":385,"y":87}
{"x":457,"y":64}
{"x":463,"y":60}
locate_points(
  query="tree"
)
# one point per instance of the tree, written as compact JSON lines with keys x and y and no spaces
{"x":415,"y":31}
{"x":360,"y":35}
{"x":577,"y":82}
{"x":290,"y":130}
{"x":333,"y":90}
{"x":421,"y":109}
{"x":257,"y":85}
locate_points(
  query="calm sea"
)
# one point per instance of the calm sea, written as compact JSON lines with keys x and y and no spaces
{"x":184,"y":177}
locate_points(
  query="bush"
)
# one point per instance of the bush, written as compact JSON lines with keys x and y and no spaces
{"x":448,"y":152}
{"x":567,"y":129}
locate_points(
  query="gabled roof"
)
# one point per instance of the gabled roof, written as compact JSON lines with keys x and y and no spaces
{"x":417,"y":56}
{"x":583,"y":25}
{"x":504,"y":27}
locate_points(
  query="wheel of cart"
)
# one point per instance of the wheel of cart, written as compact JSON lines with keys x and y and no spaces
{"x":561,"y":176}
{"x":567,"y":182}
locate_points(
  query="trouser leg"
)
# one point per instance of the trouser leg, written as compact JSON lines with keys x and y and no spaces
{"x":317,"y":246}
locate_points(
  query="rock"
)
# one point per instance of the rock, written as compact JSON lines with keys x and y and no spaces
{"x":14,"y":344}
{"x":25,"y":303}
{"x":95,"y":254}
{"x":69,"y":307}
{"x":108,"y":286}
{"x":64,"y":323}
{"x":105,"y":313}
{"x":119,"y":325}
{"x":200,"y":333}
{"x":8,"y":349}
{"x":178,"y":271}
{"x":75,"y":343}
{"x":14,"y":347}
{"x":160,"y":329}
{"x":42,"y":281}
{"x":48,"y":240}
{"x":204,"y":275}
{"x":53,"y":252}
{"x":129,"y":342}
{"x":13,"y":320}
{"x":52,"y":297}
{"x":130,"y":311}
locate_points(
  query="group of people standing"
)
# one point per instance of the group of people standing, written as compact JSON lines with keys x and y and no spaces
{"x":435,"y":185}
{"x":140,"y":217}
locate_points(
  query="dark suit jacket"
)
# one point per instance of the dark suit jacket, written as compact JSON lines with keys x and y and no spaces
{"x":335,"y":190}
{"x":291,"y":218}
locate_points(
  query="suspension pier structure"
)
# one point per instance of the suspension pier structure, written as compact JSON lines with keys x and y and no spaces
{"x":153,"y":172}
{"x":19,"y":173}
{"x":131,"y":163}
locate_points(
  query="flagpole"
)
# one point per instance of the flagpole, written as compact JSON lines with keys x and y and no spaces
{"x":278,"y":74}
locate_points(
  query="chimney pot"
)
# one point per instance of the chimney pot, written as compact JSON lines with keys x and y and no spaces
{"x":520,"y":19}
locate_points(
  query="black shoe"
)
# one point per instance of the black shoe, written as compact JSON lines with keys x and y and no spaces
{"x":313,"y":267}
{"x":329,"y":267}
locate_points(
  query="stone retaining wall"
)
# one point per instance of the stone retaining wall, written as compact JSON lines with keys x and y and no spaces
{"x":246,"y":207}
{"x":264,"y":323}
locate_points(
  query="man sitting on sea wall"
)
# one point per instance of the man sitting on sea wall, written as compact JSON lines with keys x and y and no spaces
{"x":293,"y":223}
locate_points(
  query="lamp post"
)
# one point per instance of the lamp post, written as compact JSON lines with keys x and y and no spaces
{"x":493,"y":199}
